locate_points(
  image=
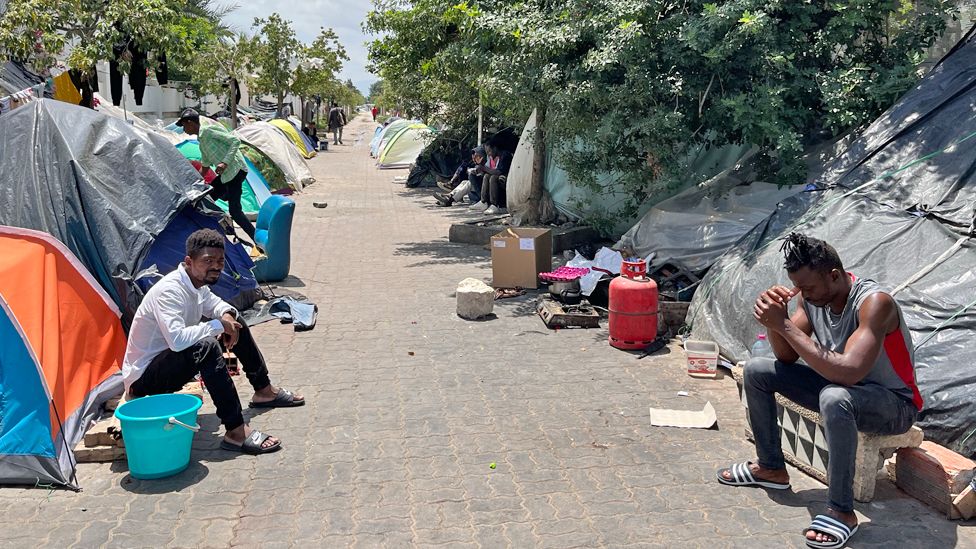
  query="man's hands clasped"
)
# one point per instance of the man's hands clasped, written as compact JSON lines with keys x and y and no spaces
{"x":771,"y":309}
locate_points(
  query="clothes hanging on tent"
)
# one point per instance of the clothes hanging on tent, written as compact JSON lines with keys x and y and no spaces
{"x":87,"y":84}
{"x":137,"y":71}
{"x":162,"y":70}
{"x":65,"y":90}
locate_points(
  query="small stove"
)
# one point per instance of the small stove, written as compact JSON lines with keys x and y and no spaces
{"x":559,"y":315}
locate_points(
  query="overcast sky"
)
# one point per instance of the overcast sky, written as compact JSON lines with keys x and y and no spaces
{"x":307,"y":16}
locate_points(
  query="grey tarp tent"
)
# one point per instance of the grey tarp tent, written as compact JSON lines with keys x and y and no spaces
{"x":95,"y":183}
{"x":899,"y":207}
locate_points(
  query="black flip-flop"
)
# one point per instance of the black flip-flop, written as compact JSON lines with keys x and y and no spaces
{"x":252,"y":444}
{"x":284,"y":399}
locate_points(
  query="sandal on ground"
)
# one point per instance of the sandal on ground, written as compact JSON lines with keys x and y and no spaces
{"x":252,"y":444}
{"x":742,"y":476}
{"x":824,"y":524}
{"x":284,"y":399}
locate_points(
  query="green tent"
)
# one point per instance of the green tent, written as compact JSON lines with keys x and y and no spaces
{"x":256,"y":189}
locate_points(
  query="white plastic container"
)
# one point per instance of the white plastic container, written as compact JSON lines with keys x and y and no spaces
{"x":702,"y":358}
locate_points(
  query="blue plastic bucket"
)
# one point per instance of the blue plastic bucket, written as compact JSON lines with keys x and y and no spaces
{"x":158,"y":431}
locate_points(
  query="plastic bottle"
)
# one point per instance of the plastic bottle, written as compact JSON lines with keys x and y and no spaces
{"x":761,"y":348}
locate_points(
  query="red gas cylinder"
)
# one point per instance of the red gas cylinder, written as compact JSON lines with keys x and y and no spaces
{"x":633,"y":307}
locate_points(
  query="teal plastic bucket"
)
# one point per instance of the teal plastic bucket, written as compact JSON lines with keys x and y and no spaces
{"x":158,"y":431}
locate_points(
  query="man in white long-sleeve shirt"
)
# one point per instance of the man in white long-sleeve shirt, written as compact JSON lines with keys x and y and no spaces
{"x":169,"y":344}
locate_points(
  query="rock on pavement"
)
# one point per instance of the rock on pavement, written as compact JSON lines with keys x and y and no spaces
{"x":475,"y":299}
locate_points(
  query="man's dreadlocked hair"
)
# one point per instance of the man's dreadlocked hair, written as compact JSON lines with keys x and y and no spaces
{"x":803,"y":251}
{"x":203,"y":238}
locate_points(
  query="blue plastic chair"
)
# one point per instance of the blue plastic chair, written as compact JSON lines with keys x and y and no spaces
{"x":273,"y":235}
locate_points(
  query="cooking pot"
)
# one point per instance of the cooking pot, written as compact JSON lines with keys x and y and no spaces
{"x":556,"y":288}
{"x":571,"y":297}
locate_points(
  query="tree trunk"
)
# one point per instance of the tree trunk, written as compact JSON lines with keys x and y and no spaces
{"x":233,"y":103}
{"x":534,"y":212}
{"x":281,"y":104}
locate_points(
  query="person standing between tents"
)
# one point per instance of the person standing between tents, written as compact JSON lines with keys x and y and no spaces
{"x":169,"y":345}
{"x":495,"y":171}
{"x":375,"y":111}
{"x":859,"y":375}
{"x":222,"y":150}
{"x":337,"y":119}
{"x":471,"y":186}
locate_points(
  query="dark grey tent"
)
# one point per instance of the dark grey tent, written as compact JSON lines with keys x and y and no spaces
{"x":102,"y":187}
{"x":899,"y":207}
{"x":15,"y":77}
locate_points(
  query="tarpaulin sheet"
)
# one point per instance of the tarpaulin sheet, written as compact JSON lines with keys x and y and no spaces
{"x":439,"y":160}
{"x":898,"y":206}
{"x":95,"y":183}
{"x":697,"y":226}
{"x":15,"y":77}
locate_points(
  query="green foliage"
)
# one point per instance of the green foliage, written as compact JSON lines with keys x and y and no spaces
{"x":631,"y":88}
{"x":316,"y":72}
{"x":275,"y":53}
{"x":215,"y":63}
{"x":83,"y":31}
{"x":376,"y":91}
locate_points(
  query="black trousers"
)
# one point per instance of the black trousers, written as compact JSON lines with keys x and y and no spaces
{"x":171,"y":370}
{"x":493,"y":190}
{"x":231,"y":192}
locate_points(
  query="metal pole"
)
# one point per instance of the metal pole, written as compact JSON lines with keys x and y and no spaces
{"x":480,"y":118}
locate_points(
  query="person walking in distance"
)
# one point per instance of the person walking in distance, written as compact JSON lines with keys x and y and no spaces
{"x":337,"y":119}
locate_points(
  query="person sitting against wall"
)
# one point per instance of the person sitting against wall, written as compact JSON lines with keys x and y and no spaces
{"x":181,"y":329}
{"x":466,"y":181}
{"x":495,"y":176}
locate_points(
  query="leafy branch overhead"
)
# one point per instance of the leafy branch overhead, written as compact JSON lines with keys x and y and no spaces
{"x":634,"y":88}
{"x":82,"y":32}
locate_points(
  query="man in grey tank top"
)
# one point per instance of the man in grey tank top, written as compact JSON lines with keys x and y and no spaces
{"x":857,"y":371}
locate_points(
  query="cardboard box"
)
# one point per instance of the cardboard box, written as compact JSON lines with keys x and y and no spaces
{"x":518,"y":256}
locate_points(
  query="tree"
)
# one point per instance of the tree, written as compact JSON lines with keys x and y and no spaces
{"x":199,"y":27}
{"x":376,"y":91}
{"x":83,"y":32}
{"x":315,"y":75}
{"x":276,"y":53}
{"x":223,"y":65}
{"x":631,"y":90}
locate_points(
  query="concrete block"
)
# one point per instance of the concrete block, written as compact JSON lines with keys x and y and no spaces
{"x":475,"y":299}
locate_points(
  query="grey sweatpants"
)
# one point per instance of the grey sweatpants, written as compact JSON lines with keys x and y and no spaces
{"x":869,"y":408}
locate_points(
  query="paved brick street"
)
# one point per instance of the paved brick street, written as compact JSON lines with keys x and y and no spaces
{"x":408,"y":405}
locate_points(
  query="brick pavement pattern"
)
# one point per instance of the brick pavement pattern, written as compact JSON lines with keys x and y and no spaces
{"x":408,"y":405}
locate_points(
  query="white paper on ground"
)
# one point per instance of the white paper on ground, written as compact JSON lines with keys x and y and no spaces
{"x":687,"y":419}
